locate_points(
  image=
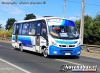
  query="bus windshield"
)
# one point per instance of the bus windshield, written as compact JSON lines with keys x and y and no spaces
{"x":63,"y":31}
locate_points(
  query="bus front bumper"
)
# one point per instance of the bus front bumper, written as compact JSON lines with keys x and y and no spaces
{"x":53,"y":50}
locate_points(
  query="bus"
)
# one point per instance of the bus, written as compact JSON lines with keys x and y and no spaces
{"x":50,"y":36}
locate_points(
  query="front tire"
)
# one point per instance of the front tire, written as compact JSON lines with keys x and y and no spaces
{"x":45,"y":53}
{"x":21,"y":48}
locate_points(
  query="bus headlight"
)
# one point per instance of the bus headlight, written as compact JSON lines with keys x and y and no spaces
{"x":53,"y":43}
{"x":78,"y":44}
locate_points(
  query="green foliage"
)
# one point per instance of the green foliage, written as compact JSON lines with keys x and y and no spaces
{"x":9,"y":23}
{"x":9,"y":33}
{"x":5,"y":33}
{"x":91,"y":29}
{"x":77,"y":22}
{"x":2,"y":33}
{"x":30,"y":16}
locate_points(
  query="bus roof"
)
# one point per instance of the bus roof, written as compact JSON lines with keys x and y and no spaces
{"x":45,"y":17}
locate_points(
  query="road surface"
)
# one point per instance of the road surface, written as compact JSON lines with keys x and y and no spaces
{"x":14,"y":61}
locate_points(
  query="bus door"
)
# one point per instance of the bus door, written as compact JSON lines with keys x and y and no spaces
{"x":17,"y":32}
{"x":41,"y":38}
{"x":38,"y":33}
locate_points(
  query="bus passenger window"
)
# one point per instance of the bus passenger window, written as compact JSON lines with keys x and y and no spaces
{"x":17,"y":29}
{"x":44,"y":30}
{"x":20,"y":28}
{"x":25,"y":29}
{"x":32,"y":29}
{"x":38,"y":28}
{"x":14,"y":29}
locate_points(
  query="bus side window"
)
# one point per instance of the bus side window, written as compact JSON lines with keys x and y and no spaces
{"x":25,"y":30}
{"x":20,"y":28}
{"x":17,"y":29}
{"x":38,"y":28}
{"x":44,"y":31}
{"x":14,"y":29}
{"x":32,"y":28}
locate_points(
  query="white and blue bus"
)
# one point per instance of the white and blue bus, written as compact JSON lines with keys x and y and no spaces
{"x":48,"y":36}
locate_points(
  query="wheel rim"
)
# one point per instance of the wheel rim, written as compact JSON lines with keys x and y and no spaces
{"x":21,"y":49}
{"x":45,"y":53}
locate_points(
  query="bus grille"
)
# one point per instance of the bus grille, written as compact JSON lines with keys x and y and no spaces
{"x":66,"y":45}
{"x":66,"y":51}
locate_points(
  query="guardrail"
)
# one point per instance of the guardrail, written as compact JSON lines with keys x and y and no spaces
{"x":5,"y":39}
{"x":86,"y":47}
{"x":91,"y":48}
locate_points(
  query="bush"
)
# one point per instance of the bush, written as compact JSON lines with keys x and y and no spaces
{"x":5,"y":34}
{"x":2,"y":34}
{"x":9,"y":33}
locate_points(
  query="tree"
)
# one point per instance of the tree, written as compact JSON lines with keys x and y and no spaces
{"x":96,"y":30}
{"x":87,"y":28}
{"x":9,"y":23}
{"x":88,"y":24}
{"x":91,"y":29}
{"x":77,"y":22}
{"x":30,"y":16}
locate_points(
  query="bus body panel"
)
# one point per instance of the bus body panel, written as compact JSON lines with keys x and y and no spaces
{"x":27,"y":42}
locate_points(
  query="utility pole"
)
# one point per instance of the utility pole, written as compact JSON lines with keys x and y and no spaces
{"x":64,"y":10}
{"x":82,"y":23}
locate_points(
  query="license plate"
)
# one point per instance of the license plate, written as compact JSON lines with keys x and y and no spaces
{"x":67,"y":53}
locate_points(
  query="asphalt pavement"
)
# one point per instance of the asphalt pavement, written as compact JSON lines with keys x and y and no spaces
{"x":14,"y":61}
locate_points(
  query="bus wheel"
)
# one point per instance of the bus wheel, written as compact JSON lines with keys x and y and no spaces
{"x":21,"y":48}
{"x":45,"y":53}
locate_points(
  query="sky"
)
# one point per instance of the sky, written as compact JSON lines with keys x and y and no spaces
{"x":19,"y":8}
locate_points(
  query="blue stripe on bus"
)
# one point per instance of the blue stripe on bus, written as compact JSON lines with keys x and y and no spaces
{"x":24,"y":40}
{"x":68,"y":23}
{"x":66,"y":42}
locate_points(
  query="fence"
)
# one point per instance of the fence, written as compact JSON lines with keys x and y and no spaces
{"x":91,"y":48}
{"x":5,"y":39}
